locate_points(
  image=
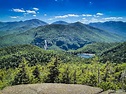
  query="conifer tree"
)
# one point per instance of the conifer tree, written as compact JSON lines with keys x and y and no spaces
{"x":21,"y":77}
{"x":66,"y":78}
{"x":53,"y":72}
{"x":36,"y":74}
{"x":74,"y":75}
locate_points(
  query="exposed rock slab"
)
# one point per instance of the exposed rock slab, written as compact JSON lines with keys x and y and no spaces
{"x":48,"y":88}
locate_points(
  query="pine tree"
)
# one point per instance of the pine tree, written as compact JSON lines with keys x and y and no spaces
{"x":66,"y":78}
{"x":53,"y":72}
{"x":74,"y":75}
{"x":21,"y":77}
{"x":36,"y":74}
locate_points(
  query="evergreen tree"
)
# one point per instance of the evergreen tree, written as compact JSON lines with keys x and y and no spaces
{"x":36,"y":74}
{"x":74,"y":75}
{"x":66,"y":78}
{"x":53,"y":72}
{"x":21,"y":77}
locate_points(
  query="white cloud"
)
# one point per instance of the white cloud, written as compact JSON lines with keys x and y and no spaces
{"x":94,"y":19}
{"x":99,"y":14}
{"x":86,"y":15}
{"x":13,"y":17}
{"x":36,"y":9}
{"x":72,"y":15}
{"x":30,"y":12}
{"x":83,"y":18}
{"x":113,"y":18}
{"x":18,"y":10}
{"x":96,"y":16}
{"x":66,"y":16}
{"x":34,"y":15}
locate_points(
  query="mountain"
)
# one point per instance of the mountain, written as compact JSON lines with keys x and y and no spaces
{"x":71,"y":36}
{"x":116,"y":27}
{"x":18,"y":27}
{"x":116,"y":54}
{"x":60,"y":22}
{"x":96,"y":48}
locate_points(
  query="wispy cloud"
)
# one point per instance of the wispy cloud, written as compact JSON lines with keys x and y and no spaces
{"x":93,"y":19}
{"x":66,"y":16}
{"x":73,"y":15}
{"x":113,"y":18}
{"x":36,"y":9}
{"x":18,"y":10}
{"x":87,"y":15}
{"x":14,"y":17}
{"x":30,"y":11}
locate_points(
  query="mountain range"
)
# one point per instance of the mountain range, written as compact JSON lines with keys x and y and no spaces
{"x":115,"y":27}
{"x":19,"y":27}
{"x":59,"y":35}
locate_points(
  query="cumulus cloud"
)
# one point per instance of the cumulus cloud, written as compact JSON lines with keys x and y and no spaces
{"x":36,"y":9}
{"x":30,"y":12}
{"x":18,"y":10}
{"x":99,"y":14}
{"x":33,"y":11}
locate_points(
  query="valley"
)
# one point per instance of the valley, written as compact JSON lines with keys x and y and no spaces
{"x":62,"y":46}
{"x":75,"y":53}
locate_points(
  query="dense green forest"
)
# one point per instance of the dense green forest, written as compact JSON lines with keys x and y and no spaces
{"x":115,"y":54}
{"x":95,"y":48}
{"x":28,"y":64}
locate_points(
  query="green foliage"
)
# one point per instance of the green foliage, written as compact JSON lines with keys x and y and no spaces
{"x":36,"y":74}
{"x":66,"y":76}
{"x":96,"y":48}
{"x":108,"y":85}
{"x":40,"y":66}
{"x":71,"y":36}
{"x":53,"y":71}
{"x":12,"y":56}
{"x":115,"y":54}
{"x":22,"y":76}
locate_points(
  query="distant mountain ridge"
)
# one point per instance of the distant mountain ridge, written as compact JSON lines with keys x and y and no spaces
{"x":116,"y":27}
{"x":71,"y":36}
{"x":20,"y":26}
{"x":60,"y":22}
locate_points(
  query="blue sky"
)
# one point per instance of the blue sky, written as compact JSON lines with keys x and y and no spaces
{"x":85,"y":11}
